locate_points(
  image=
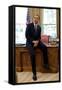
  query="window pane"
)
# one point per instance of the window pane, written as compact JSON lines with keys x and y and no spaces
{"x":49,"y":16}
{"x":21,"y":17}
{"x":49,"y":30}
{"x":49,"y":23}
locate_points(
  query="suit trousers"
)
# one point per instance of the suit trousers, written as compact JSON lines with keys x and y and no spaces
{"x":31,"y":50}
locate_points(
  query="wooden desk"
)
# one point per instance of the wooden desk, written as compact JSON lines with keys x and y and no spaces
{"x":23,"y":62}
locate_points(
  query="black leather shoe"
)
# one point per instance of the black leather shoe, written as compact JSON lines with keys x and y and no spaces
{"x":34,"y":77}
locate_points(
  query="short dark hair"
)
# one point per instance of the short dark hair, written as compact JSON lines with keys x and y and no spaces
{"x":36,"y":16}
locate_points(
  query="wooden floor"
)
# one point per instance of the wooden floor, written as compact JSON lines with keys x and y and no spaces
{"x":26,"y":77}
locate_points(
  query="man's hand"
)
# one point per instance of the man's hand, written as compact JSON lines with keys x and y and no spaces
{"x":35,"y":43}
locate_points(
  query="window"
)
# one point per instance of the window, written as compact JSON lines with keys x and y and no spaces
{"x":49,"y":23}
{"x":21,"y":16}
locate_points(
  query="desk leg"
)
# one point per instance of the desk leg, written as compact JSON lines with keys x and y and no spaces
{"x":21,"y":62}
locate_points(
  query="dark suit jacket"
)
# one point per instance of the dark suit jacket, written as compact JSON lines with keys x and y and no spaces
{"x":31,"y":34}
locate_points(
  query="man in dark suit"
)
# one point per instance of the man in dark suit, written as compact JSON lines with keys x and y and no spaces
{"x":33,"y":36}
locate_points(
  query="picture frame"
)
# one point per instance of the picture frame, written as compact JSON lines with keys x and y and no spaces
{"x":15,"y":43}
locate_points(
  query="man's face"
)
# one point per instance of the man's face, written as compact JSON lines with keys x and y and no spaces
{"x":36,"y":19}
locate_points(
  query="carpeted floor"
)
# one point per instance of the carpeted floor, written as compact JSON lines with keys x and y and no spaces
{"x":26,"y":77}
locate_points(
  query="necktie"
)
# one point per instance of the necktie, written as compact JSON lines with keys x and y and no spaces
{"x":35,"y":27}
